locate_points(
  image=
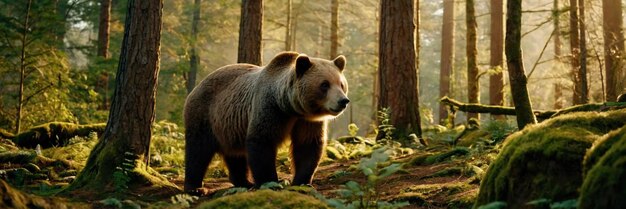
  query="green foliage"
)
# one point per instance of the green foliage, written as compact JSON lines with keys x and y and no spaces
{"x":494,"y":205}
{"x":354,"y":195}
{"x":183,"y":200}
{"x":121,"y":176}
{"x":264,"y":199}
{"x":385,"y":124}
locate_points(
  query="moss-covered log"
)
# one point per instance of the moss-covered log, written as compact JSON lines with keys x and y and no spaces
{"x":264,"y":199}
{"x":541,"y":115}
{"x":545,"y":160}
{"x":55,"y":134}
{"x":605,"y":171}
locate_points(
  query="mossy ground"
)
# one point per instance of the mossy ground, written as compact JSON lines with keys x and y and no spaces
{"x":545,"y":160}
{"x":605,"y":163}
{"x":265,"y":199}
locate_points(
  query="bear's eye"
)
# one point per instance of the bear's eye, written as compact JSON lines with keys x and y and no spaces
{"x":325,"y":86}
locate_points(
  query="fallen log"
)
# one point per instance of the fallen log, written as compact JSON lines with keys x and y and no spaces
{"x":541,"y":115}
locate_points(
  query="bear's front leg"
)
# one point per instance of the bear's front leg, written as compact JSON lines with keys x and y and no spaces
{"x":307,"y":144}
{"x":265,"y":132}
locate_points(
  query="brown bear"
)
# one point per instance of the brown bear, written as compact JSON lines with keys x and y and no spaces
{"x":244,"y":112}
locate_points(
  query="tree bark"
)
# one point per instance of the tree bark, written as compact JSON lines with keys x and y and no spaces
{"x":250,"y":32}
{"x":334,"y":29}
{"x":128,"y":131}
{"x":447,"y":56}
{"x":574,"y":41}
{"x":194,"y":61}
{"x":517,"y":78}
{"x":103,"y":49}
{"x":613,"y":48}
{"x":398,"y":67}
{"x":473,"y":87}
{"x":496,"y":81}
{"x":582,"y":72}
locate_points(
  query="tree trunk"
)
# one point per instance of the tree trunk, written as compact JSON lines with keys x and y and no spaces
{"x":613,"y":48}
{"x":582,"y":72}
{"x":288,"y":45}
{"x":334,"y":29}
{"x":558,"y":86}
{"x":398,"y":67}
{"x":103,"y":28}
{"x":496,"y":81}
{"x":473,"y":91}
{"x":103,"y":49}
{"x":194,"y":61}
{"x":574,"y":41}
{"x":515,"y":64}
{"x":447,"y":56}
{"x":128,"y":131}
{"x":250,"y":32}
{"x":20,"y":101}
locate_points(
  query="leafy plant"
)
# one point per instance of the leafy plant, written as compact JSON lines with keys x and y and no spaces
{"x":385,"y":124}
{"x":354,"y":195}
{"x":183,"y":200}
{"x":121,"y":175}
{"x":494,"y":205}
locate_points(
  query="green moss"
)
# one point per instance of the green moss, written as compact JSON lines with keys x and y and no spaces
{"x":4,"y":134}
{"x":545,"y":160}
{"x":55,"y":134}
{"x":441,"y":157}
{"x":17,"y":157}
{"x":264,"y":199}
{"x":603,"y":185}
{"x":600,"y":147}
{"x":12,"y":198}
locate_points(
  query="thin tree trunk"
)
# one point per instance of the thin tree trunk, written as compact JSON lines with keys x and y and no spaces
{"x":473,"y":91}
{"x":582,"y":73}
{"x":194,"y":61}
{"x":128,"y":131}
{"x":517,"y":77}
{"x":574,"y":41}
{"x":103,"y":49}
{"x":613,"y":48}
{"x":447,"y":56}
{"x":18,"y":120}
{"x":288,"y":29}
{"x":334,"y":29}
{"x":558,"y":86}
{"x":250,"y":32}
{"x":398,"y":67}
{"x":496,"y":81}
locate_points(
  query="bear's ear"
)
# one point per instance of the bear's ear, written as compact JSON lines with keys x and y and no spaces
{"x":340,"y":62}
{"x":302,"y":65}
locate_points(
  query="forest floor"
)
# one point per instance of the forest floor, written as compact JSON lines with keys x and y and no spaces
{"x":436,"y":176}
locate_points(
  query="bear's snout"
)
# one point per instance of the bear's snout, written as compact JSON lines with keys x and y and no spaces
{"x":343,"y":103}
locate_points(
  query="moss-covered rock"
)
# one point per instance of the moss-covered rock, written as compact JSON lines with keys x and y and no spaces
{"x":264,"y":199}
{"x":545,"y":160}
{"x":55,"y":134}
{"x":603,"y":185}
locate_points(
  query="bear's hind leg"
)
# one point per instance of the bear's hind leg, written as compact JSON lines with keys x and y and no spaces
{"x":200,"y":147}
{"x":238,"y":171}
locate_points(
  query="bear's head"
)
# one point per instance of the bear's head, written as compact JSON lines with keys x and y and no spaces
{"x":320,"y":88}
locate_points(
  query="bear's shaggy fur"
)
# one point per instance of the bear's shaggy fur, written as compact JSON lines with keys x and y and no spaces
{"x":244,"y":112}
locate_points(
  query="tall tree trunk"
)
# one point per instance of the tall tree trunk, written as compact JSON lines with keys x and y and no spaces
{"x":447,"y":56}
{"x":517,"y":77}
{"x":473,"y":91}
{"x":250,"y":32}
{"x":103,"y":28}
{"x":496,"y":81}
{"x":582,"y":72}
{"x":558,"y":86}
{"x":23,"y":42}
{"x":128,"y":131}
{"x":103,"y":48}
{"x":574,"y":41}
{"x":613,"y":48}
{"x":288,"y":29}
{"x":334,"y":29}
{"x":194,"y":61}
{"x":398,"y":67}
